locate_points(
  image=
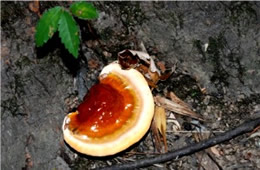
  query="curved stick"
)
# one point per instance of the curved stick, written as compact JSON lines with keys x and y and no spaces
{"x":188,"y":150}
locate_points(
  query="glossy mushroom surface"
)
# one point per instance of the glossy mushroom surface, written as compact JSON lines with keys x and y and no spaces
{"x":116,"y":113}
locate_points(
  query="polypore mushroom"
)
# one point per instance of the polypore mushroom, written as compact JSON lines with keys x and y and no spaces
{"x":115,"y":114}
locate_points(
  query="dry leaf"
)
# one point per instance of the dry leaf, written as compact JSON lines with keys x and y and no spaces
{"x":164,"y":76}
{"x":160,"y":119}
{"x":35,"y":6}
{"x":154,"y":77}
{"x":215,"y":151}
{"x":173,"y":120}
{"x":252,"y":134}
{"x":203,"y":90}
{"x":142,"y":55}
{"x":255,"y":135}
{"x":153,"y":67}
{"x":145,"y":64}
{"x":127,"y":59}
{"x":161,"y":65}
{"x":206,"y":161}
{"x":143,"y":69}
{"x":159,"y":128}
{"x":176,"y":106}
{"x":177,"y":100}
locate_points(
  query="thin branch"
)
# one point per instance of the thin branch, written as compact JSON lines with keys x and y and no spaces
{"x":194,"y":131}
{"x":188,"y":150}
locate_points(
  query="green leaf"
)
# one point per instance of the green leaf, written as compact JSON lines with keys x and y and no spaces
{"x":69,"y":33}
{"x":84,"y":10}
{"x":47,"y":25}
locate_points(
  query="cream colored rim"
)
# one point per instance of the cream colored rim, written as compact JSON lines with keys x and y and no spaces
{"x":134,"y":134}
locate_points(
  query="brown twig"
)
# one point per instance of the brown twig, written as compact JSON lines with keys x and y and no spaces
{"x":188,"y":150}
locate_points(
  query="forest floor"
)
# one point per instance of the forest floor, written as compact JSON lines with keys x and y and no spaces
{"x":214,"y":47}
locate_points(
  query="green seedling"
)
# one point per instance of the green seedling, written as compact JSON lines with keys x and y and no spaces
{"x":61,"y":19}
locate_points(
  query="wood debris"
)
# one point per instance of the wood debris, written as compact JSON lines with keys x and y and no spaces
{"x":176,"y":106}
{"x":206,"y":162}
{"x":206,"y":158}
{"x":159,"y":129}
{"x":253,"y":133}
{"x":215,"y":151}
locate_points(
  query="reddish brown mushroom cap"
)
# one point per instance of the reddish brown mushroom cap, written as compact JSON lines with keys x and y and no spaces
{"x":115,"y":114}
